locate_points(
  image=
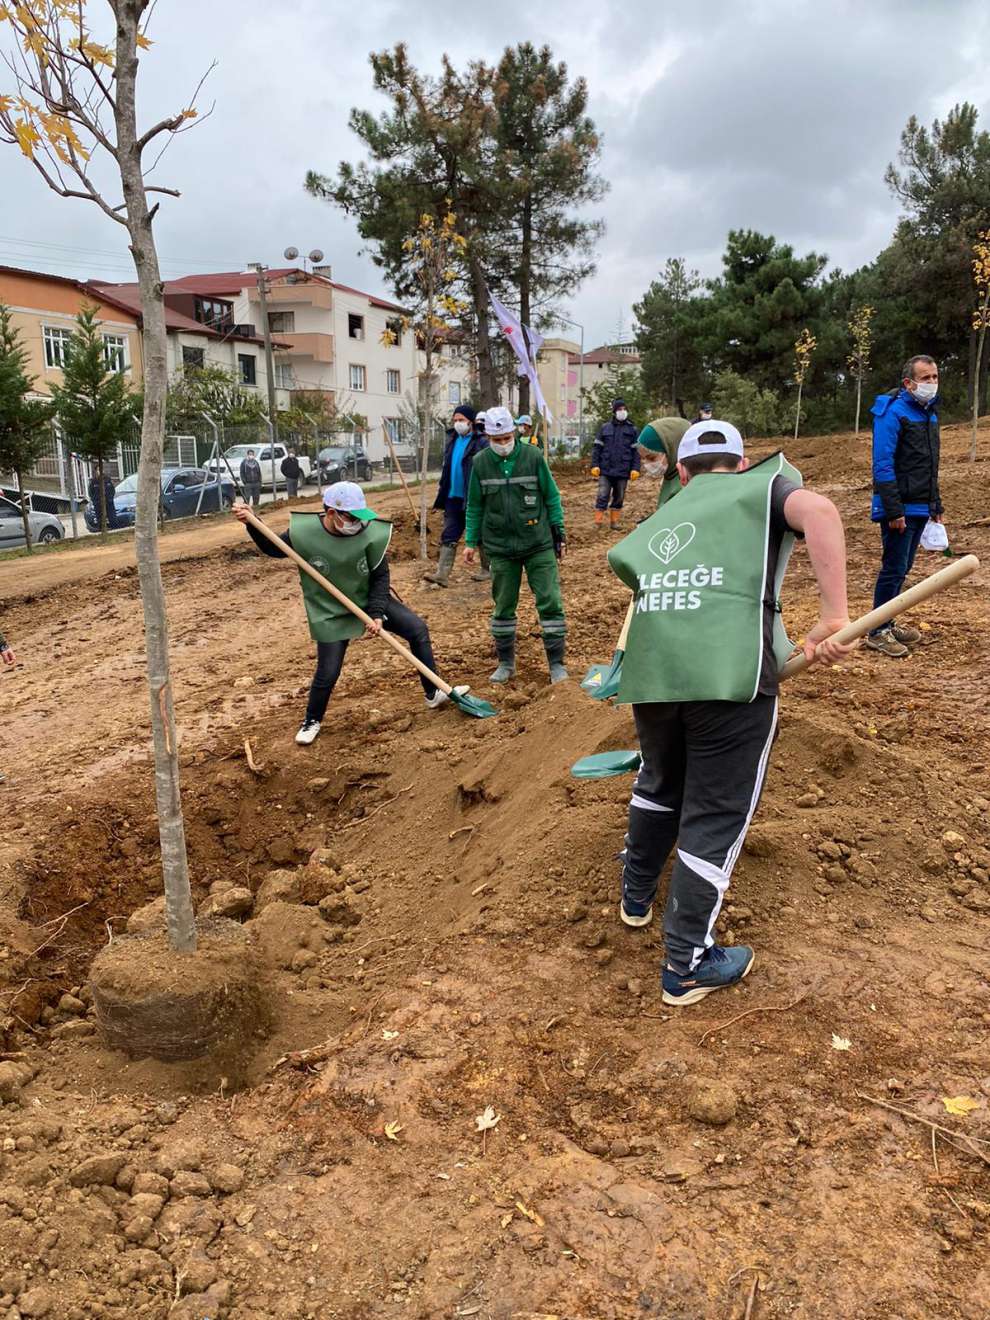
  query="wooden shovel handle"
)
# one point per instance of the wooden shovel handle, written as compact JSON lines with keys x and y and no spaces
{"x":346,"y":601}
{"x":945,"y":577}
{"x":626,"y":622}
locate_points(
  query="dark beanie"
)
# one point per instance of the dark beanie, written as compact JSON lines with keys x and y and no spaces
{"x":465,"y":410}
{"x":618,"y":403}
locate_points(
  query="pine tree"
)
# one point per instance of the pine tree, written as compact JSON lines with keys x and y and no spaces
{"x":669,"y":360}
{"x":94,"y":404}
{"x":25,"y":423}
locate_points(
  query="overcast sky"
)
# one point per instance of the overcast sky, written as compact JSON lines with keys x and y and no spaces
{"x":780,"y":115}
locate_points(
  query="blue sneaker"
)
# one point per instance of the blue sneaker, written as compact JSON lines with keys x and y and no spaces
{"x":717,"y":969}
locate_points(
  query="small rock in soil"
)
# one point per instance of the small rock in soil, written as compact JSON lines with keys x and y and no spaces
{"x":179,"y":1155}
{"x":603,"y":957}
{"x":226,"y":1178}
{"x":149,"y":917}
{"x":576,"y":913}
{"x":277,"y":886}
{"x":712,"y":1102}
{"x":36,"y":1302}
{"x":98,"y":1170}
{"x":234,"y":902}
{"x":196,"y":1275}
{"x":188,"y":1183}
{"x":73,"y":1030}
{"x":12,"y":1079}
{"x":807,"y":800}
{"x":70,"y":1004}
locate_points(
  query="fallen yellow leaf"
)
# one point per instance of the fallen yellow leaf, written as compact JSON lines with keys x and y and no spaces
{"x":392,"y":1130}
{"x":506,"y":1220}
{"x":530,"y":1214}
{"x":960,"y":1105}
{"x":840,"y":1042}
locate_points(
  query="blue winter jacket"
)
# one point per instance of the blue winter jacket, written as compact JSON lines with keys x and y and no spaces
{"x":905,"y":458}
{"x":615,"y":451}
{"x":476,"y":443}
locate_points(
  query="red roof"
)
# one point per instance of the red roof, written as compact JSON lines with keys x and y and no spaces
{"x":231,"y":282}
{"x":84,"y":286}
{"x":605,"y":357}
{"x":130,"y":296}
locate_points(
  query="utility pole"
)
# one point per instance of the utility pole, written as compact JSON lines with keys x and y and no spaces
{"x":269,"y":364}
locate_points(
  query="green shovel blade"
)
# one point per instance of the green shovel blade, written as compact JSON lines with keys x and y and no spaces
{"x":602,"y":681}
{"x":476,"y":707}
{"x":604,"y":764}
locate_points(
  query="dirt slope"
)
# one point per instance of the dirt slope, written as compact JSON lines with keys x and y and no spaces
{"x":435,"y":900}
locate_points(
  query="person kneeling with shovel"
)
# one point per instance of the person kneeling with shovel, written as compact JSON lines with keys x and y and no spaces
{"x":701,"y":665}
{"x":348,"y":543}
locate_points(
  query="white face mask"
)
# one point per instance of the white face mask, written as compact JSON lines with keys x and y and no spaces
{"x":349,"y":527}
{"x":502,"y":447}
{"x":925,"y":390}
{"x":652,"y":469}
{"x":621,"y":415}
{"x":462,"y":428}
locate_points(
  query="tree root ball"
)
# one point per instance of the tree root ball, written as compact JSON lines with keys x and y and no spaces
{"x":152,"y":1001}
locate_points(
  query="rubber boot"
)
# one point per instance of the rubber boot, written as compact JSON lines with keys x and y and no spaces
{"x":484,"y":573}
{"x":505,"y":649}
{"x":441,"y":575}
{"x":614,"y":519}
{"x":599,"y":518}
{"x":553,"y":644}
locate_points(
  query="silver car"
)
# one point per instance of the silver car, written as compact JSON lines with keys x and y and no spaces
{"x":45,"y":527}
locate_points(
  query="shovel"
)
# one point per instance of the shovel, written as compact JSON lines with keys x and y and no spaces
{"x":602,"y":681}
{"x":604,"y":764}
{"x":474,"y":706}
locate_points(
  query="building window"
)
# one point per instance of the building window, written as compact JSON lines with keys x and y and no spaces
{"x":394,"y":328}
{"x":359,"y":379}
{"x":392,"y":382}
{"x":193,"y":359}
{"x":282,"y":323}
{"x":355,"y":325}
{"x":248,"y":367}
{"x":115,"y":352}
{"x":454,"y":392}
{"x":284,"y":379}
{"x":393,"y":428}
{"x":214,"y":312}
{"x":56,"y":346}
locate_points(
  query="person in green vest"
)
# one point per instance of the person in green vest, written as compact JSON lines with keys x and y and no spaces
{"x":658,"y":443}
{"x":527,"y":434}
{"x":701,"y":672}
{"x":514,"y":514}
{"x":347,"y":543}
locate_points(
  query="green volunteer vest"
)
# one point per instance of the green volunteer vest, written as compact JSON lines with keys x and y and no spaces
{"x":347,"y":561}
{"x":699,"y":573}
{"x":514,"y":521}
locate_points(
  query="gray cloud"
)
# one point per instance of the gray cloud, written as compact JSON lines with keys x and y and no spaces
{"x":779,"y":115}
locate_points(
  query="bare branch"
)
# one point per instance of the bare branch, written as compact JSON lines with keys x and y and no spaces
{"x":174,"y":123}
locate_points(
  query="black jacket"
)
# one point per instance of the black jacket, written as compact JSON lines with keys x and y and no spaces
{"x":615,"y":452}
{"x":476,"y":443}
{"x":290,"y":467}
{"x":93,"y":491}
{"x":251,"y":472}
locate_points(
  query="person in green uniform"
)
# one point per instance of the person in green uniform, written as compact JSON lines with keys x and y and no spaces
{"x":701,"y":665}
{"x":9,"y":658}
{"x":515,"y":516}
{"x":347,"y":543}
{"x":527,"y":434}
{"x":658,"y":443}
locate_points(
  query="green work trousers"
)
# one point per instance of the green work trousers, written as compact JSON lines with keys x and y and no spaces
{"x":544,"y":582}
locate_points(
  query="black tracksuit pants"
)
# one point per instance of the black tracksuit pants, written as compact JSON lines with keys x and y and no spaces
{"x":704,"y":763}
{"x":398,"y":619}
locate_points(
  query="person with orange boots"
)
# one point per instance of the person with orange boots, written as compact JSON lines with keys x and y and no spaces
{"x":615,"y":462}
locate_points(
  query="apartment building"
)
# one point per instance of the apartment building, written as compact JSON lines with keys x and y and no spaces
{"x":560,"y":381}
{"x":333,"y":339}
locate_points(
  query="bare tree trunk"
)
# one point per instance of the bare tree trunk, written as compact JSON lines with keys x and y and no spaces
{"x":426,"y":406}
{"x":24,"y":512}
{"x":977,"y":392}
{"x":525,"y":292}
{"x":487,"y":382}
{"x":175,"y":870}
{"x":797,"y":411}
{"x":859,"y":396}
{"x":102,"y":501}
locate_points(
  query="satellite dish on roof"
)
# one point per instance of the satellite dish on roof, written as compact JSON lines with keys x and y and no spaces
{"x":291,"y":253}
{"x":316,"y":255}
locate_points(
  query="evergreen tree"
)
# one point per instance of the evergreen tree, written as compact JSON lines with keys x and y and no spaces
{"x":25,"y":423}
{"x":670,"y":361}
{"x":547,"y":150}
{"x":94,"y":404}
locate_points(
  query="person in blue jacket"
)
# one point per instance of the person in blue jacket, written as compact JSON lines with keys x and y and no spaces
{"x":615,"y":462}
{"x":905,"y":487}
{"x":463,"y":442}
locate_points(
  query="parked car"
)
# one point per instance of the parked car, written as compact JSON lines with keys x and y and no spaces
{"x":181,"y":489}
{"x":231,"y":459}
{"x":343,"y":463}
{"x":45,"y":527}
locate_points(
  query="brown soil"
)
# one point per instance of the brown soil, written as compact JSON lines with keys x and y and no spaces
{"x":434,"y":901}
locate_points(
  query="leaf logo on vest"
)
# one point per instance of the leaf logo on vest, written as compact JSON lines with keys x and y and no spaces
{"x":320,"y":565}
{"x":665,"y":545}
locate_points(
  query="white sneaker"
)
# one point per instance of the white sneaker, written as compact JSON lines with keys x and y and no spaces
{"x":635,"y":922}
{"x":440,"y":698}
{"x":307,"y":732}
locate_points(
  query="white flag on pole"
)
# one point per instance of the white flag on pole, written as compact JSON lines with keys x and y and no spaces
{"x":512,"y":328}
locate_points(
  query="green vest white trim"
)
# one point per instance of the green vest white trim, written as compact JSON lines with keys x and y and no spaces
{"x":348,"y":561}
{"x":697,"y":632}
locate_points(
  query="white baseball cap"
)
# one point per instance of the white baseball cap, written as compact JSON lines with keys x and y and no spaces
{"x":498,"y":421}
{"x":348,"y":497}
{"x":732,"y":441}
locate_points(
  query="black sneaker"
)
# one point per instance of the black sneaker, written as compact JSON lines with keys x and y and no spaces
{"x":718,"y":968}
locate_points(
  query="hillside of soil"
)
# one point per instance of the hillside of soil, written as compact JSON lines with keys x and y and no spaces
{"x":433,"y":901}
